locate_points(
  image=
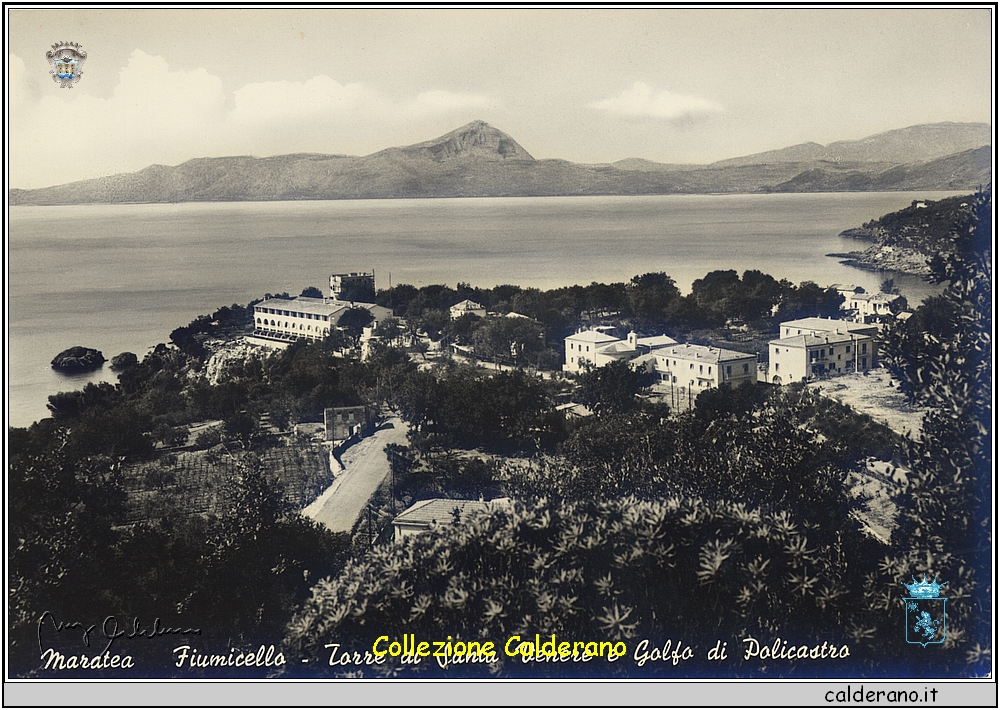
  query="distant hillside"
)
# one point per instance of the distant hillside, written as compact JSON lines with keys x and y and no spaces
{"x":962,"y":171}
{"x":915,"y":144}
{"x":477,"y":160}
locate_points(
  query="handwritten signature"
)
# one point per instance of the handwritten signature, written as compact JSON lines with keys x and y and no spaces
{"x":111,"y":630}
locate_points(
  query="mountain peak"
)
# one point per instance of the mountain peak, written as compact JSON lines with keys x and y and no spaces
{"x":475,"y":139}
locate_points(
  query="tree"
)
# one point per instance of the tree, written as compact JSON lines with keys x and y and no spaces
{"x":354,"y":320}
{"x":946,"y":500}
{"x":259,"y":559}
{"x":312,"y":292}
{"x":391,"y":329}
{"x":649,"y":297}
{"x":810,"y":300}
{"x":612,"y":388}
{"x":463,"y":329}
{"x":618,"y":570}
{"x":513,"y":340}
{"x":61,"y":511}
{"x":242,"y":426}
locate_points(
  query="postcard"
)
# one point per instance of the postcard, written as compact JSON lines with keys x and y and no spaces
{"x":501,"y":355}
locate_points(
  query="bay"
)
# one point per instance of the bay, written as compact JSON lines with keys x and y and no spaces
{"x":121,"y":277}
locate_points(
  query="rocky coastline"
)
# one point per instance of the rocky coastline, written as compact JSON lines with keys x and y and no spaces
{"x":880,"y":256}
{"x":886,"y":258}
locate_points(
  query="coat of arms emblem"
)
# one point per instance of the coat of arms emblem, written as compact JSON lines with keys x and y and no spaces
{"x":66,"y":60}
{"x":926,"y":618}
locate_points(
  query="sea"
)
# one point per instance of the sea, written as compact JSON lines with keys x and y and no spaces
{"x":122,"y":277}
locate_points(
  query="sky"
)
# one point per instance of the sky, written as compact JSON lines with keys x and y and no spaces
{"x":587,"y":85}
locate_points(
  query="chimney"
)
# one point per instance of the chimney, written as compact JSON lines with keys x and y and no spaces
{"x":632,"y":339}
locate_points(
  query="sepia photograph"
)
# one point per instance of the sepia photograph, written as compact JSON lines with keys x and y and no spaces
{"x":502,"y":344}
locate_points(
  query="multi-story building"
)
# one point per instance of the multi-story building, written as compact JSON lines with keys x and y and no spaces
{"x":279,"y":321}
{"x":355,"y":286}
{"x":599,"y":346}
{"x":699,"y":367}
{"x":683,"y":364}
{"x":867,"y":307}
{"x":817,"y":347}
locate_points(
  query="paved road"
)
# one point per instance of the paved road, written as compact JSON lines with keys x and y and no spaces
{"x":366,"y":466}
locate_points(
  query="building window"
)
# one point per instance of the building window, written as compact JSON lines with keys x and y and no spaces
{"x":746,"y":368}
{"x":864,"y":347}
{"x":777,"y":366}
{"x":701,"y":369}
{"x":729,"y":369}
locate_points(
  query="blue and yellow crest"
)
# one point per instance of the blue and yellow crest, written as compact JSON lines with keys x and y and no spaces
{"x":66,"y":60}
{"x":926,"y":615}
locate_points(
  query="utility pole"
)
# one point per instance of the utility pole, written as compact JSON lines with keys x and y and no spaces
{"x":371,"y":540}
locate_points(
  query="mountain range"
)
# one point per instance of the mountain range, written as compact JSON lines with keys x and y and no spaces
{"x":478,"y":160}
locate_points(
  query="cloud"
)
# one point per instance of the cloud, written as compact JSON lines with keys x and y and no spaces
{"x":640,"y":100}
{"x":157,"y":114}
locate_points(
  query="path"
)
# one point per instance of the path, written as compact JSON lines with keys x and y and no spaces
{"x":340,"y":505}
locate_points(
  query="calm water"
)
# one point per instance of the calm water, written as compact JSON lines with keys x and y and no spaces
{"x":122,"y":277}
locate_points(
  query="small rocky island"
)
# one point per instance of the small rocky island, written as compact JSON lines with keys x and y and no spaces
{"x":78,"y":359}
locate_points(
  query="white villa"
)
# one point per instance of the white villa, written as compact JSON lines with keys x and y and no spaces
{"x":467,"y":306}
{"x":820,"y":347}
{"x":598,"y":347}
{"x":688,"y":367}
{"x":867,"y":306}
{"x":699,"y":367}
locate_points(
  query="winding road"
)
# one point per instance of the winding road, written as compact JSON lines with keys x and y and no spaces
{"x":366,"y":466}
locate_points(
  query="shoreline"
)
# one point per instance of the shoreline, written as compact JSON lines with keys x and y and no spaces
{"x":893,"y":260}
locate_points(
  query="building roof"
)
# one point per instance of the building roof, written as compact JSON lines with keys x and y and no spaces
{"x":827,"y":325}
{"x":810,"y":341}
{"x":657,"y":341}
{"x":574,"y":409}
{"x":303,"y":304}
{"x":619,"y":346}
{"x":689,"y":351}
{"x":847,"y":287}
{"x":467,"y":305}
{"x":593,"y":336}
{"x":426,"y":513}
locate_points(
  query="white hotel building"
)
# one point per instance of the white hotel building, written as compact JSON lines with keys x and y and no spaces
{"x":279,"y":321}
